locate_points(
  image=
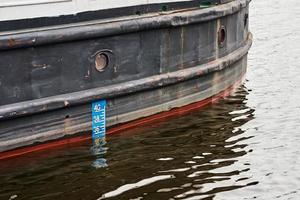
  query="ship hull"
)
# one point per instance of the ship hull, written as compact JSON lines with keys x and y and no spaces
{"x":156,"y":63}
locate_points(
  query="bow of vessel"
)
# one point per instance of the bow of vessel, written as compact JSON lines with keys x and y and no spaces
{"x":147,"y":59}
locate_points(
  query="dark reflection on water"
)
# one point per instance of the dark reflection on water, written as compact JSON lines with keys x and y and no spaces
{"x":245,"y":147}
{"x":196,"y":155}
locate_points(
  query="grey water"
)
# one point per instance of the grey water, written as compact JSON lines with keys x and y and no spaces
{"x":246,"y":146}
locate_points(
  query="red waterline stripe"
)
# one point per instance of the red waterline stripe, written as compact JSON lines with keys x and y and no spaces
{"x":129,"y":125}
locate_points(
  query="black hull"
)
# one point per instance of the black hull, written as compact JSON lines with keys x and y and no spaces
{"x":156,"y":63}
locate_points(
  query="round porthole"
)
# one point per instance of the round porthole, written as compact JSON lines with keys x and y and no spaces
{"x":101,"y":61}
{"x":222,"y":36}
{"x":246,"y":17}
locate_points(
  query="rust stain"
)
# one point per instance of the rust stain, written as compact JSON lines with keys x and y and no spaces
{"x":11,"y":42}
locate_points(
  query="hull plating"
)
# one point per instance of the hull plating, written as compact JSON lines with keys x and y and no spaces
{"x":48,"y":80}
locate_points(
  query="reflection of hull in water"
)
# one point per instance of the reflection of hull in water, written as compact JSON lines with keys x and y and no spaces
{"x":156,"y":62}
{"x":183,"y":138}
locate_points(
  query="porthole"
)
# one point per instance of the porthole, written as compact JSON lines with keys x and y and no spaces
{"x":246,"y":18}
{"x":101,"y":61}
{"x":222,"y":36}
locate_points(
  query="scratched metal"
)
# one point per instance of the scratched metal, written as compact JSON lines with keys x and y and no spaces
{"x":244,"y":147}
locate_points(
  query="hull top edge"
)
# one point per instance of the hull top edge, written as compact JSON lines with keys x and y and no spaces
{"x":93,"y":29}
{"x":54,"y":8}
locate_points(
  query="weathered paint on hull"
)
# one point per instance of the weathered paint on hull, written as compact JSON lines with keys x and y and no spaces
{"x":83,"y":137}
{"x":153,"y":69}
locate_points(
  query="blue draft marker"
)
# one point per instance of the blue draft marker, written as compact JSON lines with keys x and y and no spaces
{"x":98,"y":119}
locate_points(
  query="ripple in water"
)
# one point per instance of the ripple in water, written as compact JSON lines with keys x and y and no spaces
{"x":191,"y":157}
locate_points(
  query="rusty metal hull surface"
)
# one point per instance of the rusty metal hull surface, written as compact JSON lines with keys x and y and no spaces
{"x":48,"y":80}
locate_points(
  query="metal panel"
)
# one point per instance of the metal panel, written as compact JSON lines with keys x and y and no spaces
{"x":21,"y":9}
